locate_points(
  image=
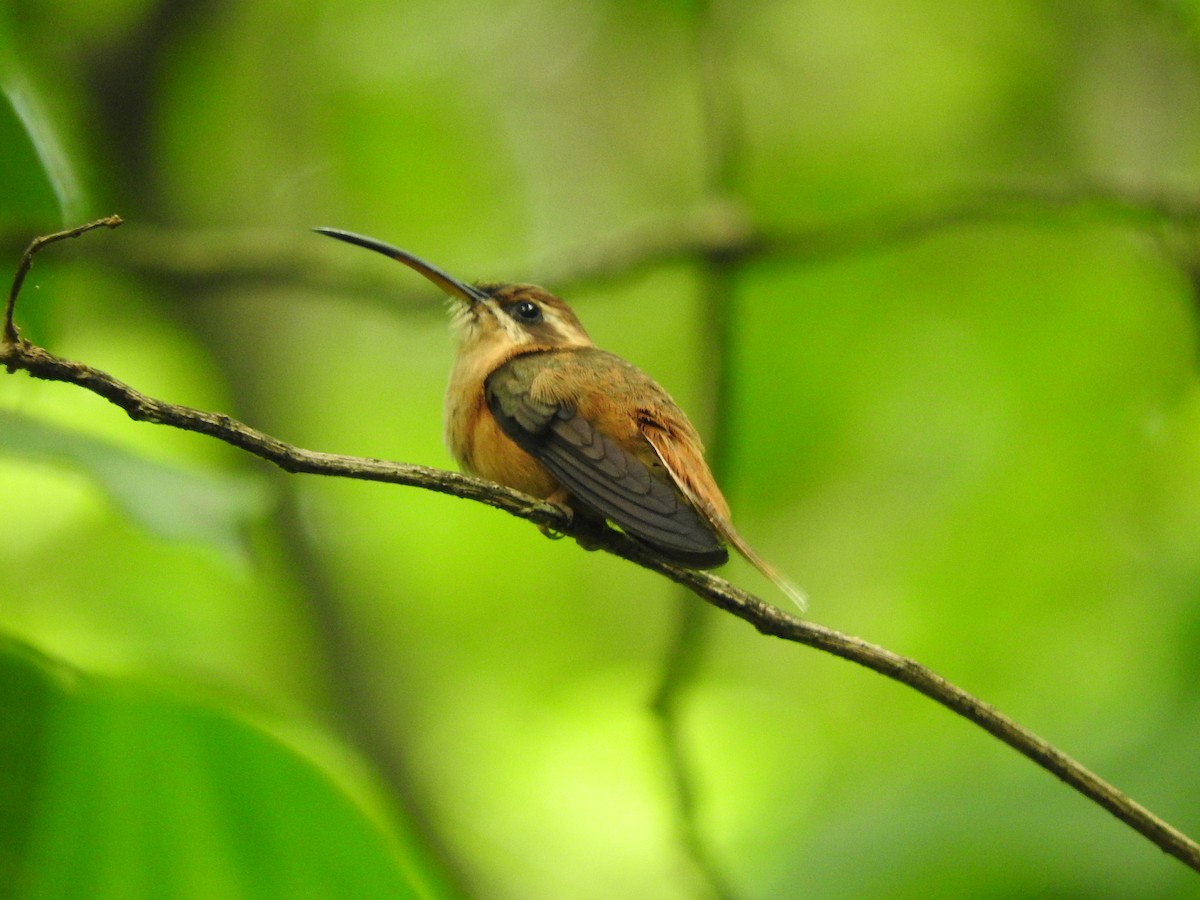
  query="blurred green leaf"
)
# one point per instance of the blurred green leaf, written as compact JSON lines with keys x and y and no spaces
{"x":28,"y":683}
{"x":109,"y":788}
{"x":40,"y":185}
{"x":38,"y":188}
{"x":27,"y":195}
{"x":171,"y":502}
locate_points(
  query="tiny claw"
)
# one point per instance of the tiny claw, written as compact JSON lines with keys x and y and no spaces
{"x":556,"y":500}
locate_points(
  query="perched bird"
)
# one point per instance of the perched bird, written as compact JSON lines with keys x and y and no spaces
{"x":535,"y":405}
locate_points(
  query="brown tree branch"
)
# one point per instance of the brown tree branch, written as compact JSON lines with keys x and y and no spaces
{"x":18,"y":354}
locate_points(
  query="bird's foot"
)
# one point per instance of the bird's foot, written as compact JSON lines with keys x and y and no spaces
{"x":556,"y":500}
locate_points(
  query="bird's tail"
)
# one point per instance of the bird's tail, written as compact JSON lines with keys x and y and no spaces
{"x":780,"y":580}
{"x":725,"y":528}
{"x":702,"y":500}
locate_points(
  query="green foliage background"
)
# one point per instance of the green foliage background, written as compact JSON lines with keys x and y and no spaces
{"x":959,"y":405}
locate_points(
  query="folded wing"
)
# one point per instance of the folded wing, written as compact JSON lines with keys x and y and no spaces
{"x":597,"y":470}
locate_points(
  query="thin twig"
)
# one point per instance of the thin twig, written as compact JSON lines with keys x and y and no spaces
{"x":10,"y":327}
{"x":142,"y":408}
{"x":767,"y":619}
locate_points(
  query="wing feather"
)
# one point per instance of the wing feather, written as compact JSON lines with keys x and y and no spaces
{"x":597,"y":470}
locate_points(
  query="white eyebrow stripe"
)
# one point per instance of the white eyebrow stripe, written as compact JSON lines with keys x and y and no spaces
{"x":559,"y":327}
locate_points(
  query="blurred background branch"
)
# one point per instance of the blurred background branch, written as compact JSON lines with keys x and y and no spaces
{"x":217,"y":259}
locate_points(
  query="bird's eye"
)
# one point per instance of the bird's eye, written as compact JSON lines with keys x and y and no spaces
{"x":526,"y":311}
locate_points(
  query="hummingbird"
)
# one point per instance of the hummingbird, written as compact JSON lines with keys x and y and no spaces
{"x":535,"y":405}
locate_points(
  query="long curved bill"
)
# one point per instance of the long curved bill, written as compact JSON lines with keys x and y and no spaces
{"x":445,"y":281}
